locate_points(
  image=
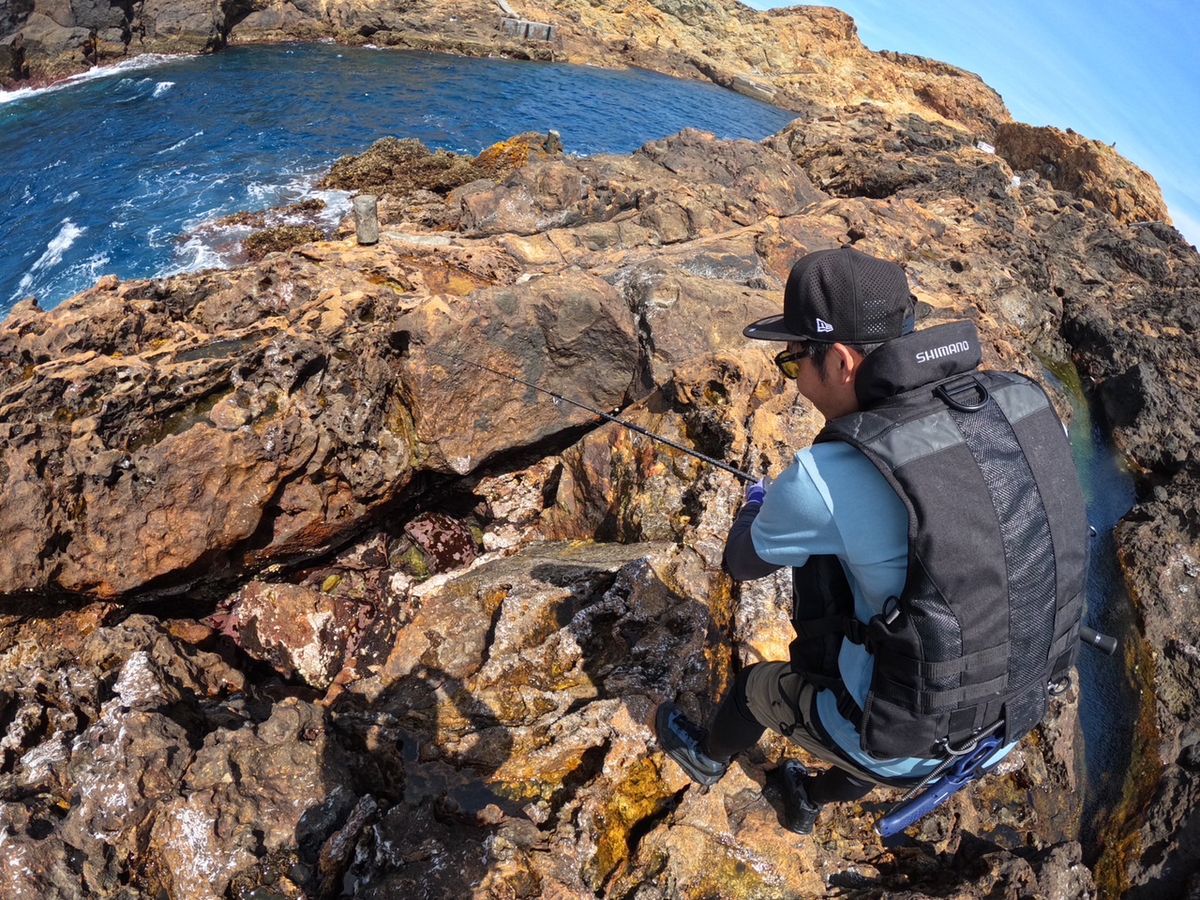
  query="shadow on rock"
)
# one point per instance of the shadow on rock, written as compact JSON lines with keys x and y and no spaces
{"x":918,"y":869}
{"x":642,"y":639}
{"x":425,"y":750}
{"x":504,"y":747}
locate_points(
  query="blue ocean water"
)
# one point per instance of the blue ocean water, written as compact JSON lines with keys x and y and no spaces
{"x":111,"y":174}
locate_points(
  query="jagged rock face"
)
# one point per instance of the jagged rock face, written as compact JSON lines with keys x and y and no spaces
{"x":503,"y":746}
{"x":803,"y":58}
{"x":392,"y":166}
{"x":1086,"y":168}
{"x":1137,"y":339}
{"x":264,"y":416}
{"x":441,"y":607}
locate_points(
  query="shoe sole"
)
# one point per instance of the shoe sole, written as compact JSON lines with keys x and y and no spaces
{"x":662,"y":721}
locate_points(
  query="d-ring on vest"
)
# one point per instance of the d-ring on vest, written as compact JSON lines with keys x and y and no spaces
{"x":990,"y":611}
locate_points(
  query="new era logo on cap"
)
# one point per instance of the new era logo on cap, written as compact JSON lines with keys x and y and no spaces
{"x":823,"y":326}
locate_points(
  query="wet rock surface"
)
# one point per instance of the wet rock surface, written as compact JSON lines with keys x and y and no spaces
{"x":299,"y":602}
{"x":1140,"y":348}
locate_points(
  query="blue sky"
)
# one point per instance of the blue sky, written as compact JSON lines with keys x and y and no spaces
{"x":1113,"y":70}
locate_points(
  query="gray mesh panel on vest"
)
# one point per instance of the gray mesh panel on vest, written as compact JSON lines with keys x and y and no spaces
{"x":1028,"y":549}
{"x":941,"y":633}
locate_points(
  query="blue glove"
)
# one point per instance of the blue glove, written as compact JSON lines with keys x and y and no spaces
{"x":757,"y":492}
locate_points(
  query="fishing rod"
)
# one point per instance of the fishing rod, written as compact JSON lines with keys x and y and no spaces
{"x":1088,"y":636}
{"x":725,"y":467}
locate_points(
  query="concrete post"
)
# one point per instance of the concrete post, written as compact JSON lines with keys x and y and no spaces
{"x":366,"y":218}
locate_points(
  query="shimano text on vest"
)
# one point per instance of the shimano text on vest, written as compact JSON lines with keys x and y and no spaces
{"x":925,"y":356}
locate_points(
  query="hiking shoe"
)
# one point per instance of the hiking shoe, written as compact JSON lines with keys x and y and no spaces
{"x":681,"y":740}
{"x":799,"y":813}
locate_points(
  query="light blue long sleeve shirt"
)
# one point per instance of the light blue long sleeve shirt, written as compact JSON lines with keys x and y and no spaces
{"x":832,"y":500}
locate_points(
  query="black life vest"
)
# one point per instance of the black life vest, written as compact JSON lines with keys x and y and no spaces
{"x":989,"y":616}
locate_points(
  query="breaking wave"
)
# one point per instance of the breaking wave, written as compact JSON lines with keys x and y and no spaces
{"x":68,"y":233}
{"x":178,"y":144}
{"x":145,"y":61}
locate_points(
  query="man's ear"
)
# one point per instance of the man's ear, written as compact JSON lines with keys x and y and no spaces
{"x":845,"y":362}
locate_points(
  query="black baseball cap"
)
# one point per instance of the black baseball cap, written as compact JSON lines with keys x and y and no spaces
{"x":841,"y":296}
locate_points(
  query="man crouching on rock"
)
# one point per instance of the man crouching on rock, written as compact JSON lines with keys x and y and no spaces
{"x":956,"y":661}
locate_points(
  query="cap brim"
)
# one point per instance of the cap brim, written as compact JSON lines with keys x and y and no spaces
{"x":772,"y":328}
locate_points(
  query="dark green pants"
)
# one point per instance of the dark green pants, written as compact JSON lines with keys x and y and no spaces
{"x":775,"y":695}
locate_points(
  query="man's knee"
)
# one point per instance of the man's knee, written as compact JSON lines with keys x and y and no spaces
{"x":772,"y":695}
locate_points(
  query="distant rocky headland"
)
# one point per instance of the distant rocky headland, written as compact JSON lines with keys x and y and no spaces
{"x":294,"y":606}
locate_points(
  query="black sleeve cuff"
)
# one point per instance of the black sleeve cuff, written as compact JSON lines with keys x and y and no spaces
{"x":742,"y":561}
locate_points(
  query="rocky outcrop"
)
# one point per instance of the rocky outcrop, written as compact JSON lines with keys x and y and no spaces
{"x":1136,"y":336}
{"x":281,"y":409}
{"x":1083,"y":167}
{"x":61,"y":38}
{"x":408,"y":620}
{"x":413,"y":619}
{"x":502,"y":745}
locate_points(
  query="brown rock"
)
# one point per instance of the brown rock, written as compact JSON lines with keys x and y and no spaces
{"x":1086,"y":168}
{"x":393,"y":166}
{"x":100,"y":733}
{"x":33,"y":866}
{"x":121,"y":768}
{"x":618,"y":485}
{"x":682,"y":187}
{"x":306,"y":379}
{"x":569,"y":334}
{"x":302,"y":633}
{"x":246,"y":794}
{"x":445,"y":542}
{"x":282,"y":238}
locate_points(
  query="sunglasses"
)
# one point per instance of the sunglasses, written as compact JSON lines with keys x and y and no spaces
{"x":789,"y":361}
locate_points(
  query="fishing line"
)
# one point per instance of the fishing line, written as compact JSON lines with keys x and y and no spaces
{"x":725,"y":467}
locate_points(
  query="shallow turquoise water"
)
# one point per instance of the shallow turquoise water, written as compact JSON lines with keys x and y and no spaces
{"x":107,"y":175}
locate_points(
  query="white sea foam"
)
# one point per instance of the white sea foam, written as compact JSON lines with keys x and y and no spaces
{"x":212,"y":246}
{"x":337,"y":204}
{"x":68,"y":233}
{"x":145,"y":61}
{"x":162,"y":87}
{"x":89,"y":271}
{"x":304,"y":187}
{"x":194,"y":255}
{"x":178,"y":144}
